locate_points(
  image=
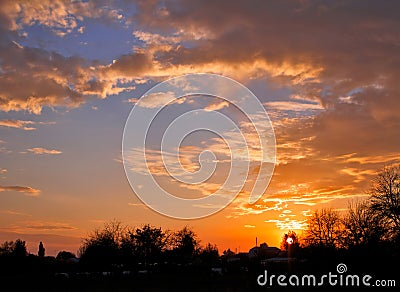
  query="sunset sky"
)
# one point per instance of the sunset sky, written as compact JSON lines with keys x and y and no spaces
{"x":327,"y":73}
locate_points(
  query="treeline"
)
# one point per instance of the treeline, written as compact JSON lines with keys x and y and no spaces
{"x":148,"y":245}
{"x":115,"y":247}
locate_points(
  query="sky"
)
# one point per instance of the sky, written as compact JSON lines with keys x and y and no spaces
{"x":326,"y":73}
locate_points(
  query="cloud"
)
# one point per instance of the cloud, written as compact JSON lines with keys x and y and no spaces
{"x":353,"y":67}
{"x":15,"y":212}
{"x":5,"y":150}
{"x":292,"y":106}
{"x":61,"y":17}
{"x":159,"y":99}
{"x":158,"y":41}
{"x":359,"y":174}
{"x":132,"y":100}
{"x":216,"y":106}
{"x":134,"y":65}
{"x":26,"y":190}
{"x":32,"y":78}
{"x":21,"y":124}
{"x":17,"y":124}
{"x":44,"y":226}
{"x":289,"y":224}
{"x":40,"y":150}
{"x":188,"y":37}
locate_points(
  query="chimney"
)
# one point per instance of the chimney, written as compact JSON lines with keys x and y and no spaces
{"x":256,"y":241}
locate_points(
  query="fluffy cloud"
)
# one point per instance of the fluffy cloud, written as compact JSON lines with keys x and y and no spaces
{"x":61,"y":16}
{"x":347,"y":50}
{"x":216,"y":106}
{"x":33,"y":78}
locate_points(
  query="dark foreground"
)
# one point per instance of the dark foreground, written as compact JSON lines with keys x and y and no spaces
{"x":183,"y":280}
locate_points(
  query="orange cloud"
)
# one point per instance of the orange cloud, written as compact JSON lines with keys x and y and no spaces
{"x":40,"y":150}
{"x":20,"y":124}
{"x":216,"y":106}
{"x":26,"y":190}
{"x":292,"y":106}
{"x":45,"y":226}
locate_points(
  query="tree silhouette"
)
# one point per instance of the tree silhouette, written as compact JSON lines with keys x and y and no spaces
{"x":209,"y":254}
{"x":20,"y":248}
{"x":228,"y":253}
{"x":363,"y":226}
{"x":14,"y":248}
{"x":149,"y":242}
{"x":7,"y":248}
{"x":103,"y":245}
{"x":41,"y":250}
{"x":185,"y":244}
{"x":385,"y":197}
{"x":325,"y":229}
{"x":65,"y":255}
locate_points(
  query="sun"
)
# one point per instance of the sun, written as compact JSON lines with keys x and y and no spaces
{"x":289,"y":240}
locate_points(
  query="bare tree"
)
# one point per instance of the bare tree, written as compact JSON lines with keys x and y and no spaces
{"x":385,"y":196}
{"x":362,"y":225}
{"x":324,"y":229}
